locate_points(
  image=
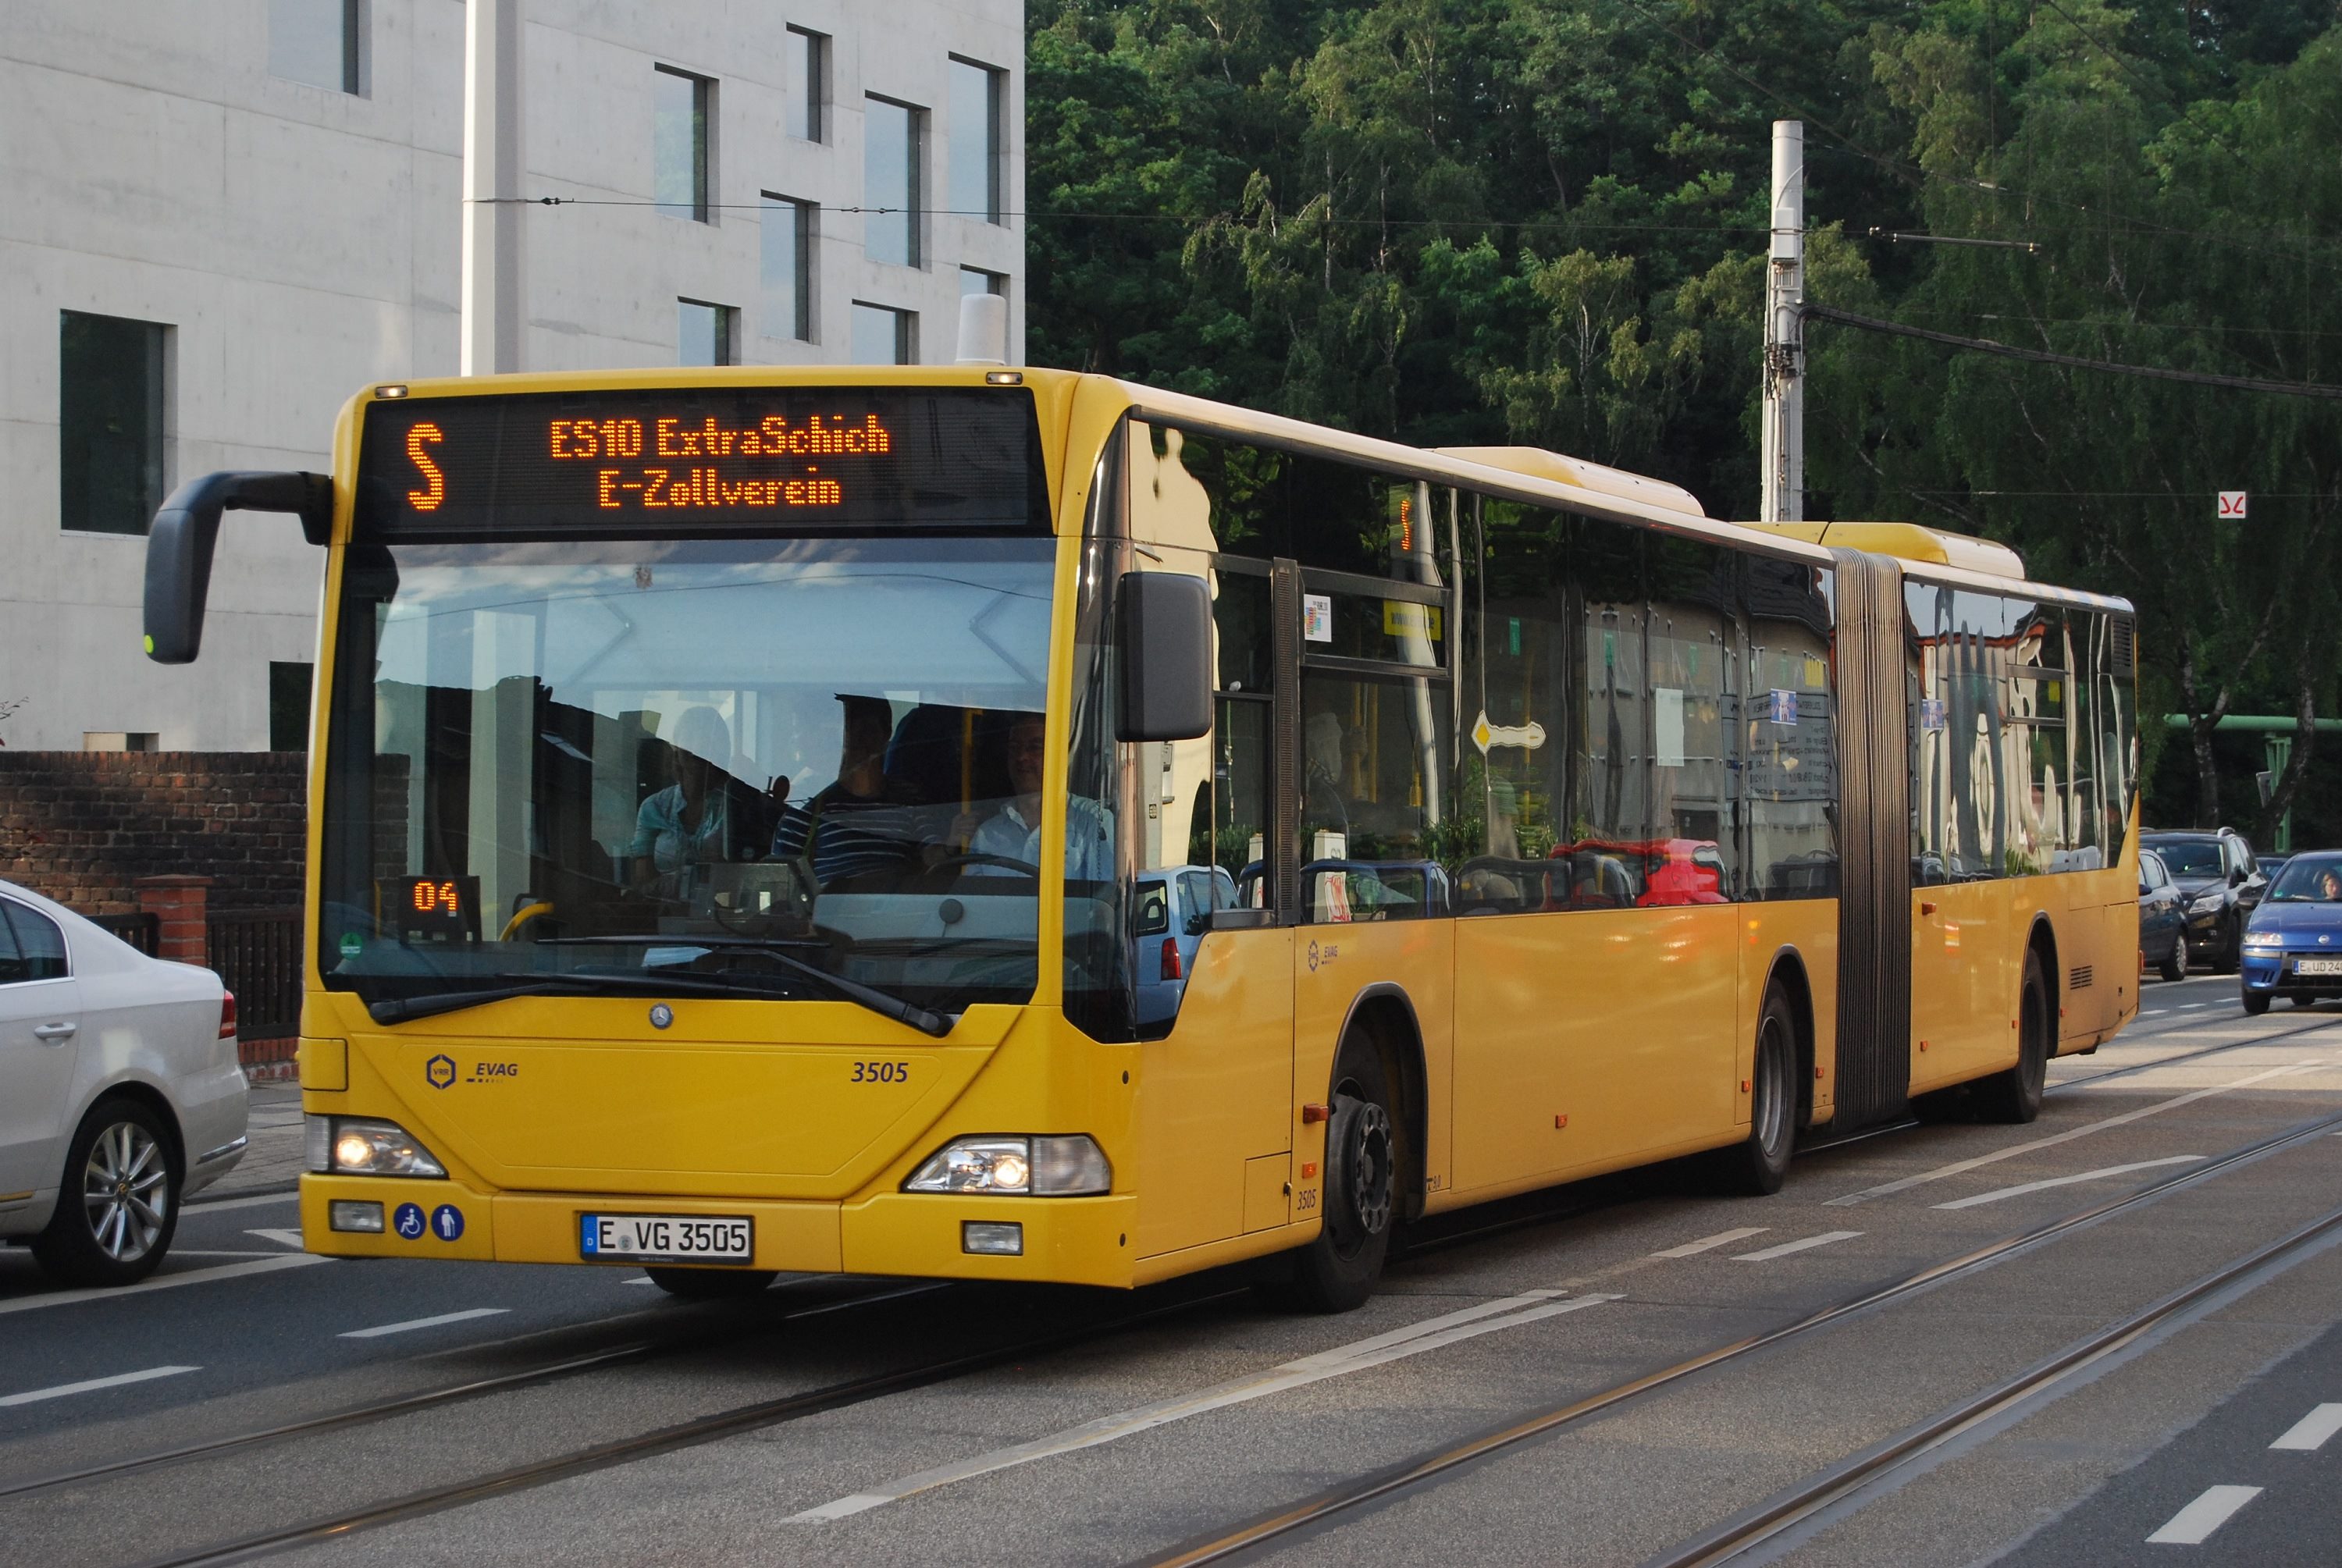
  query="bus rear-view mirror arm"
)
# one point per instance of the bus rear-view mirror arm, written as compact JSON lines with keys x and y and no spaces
{"x":187,"y":530}
{"x":1167,"y":657}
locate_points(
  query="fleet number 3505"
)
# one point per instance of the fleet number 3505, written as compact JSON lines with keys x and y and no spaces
{"x":881,"y":1073}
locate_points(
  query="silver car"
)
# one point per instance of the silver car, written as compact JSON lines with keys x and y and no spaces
{"x":120,"y":1093}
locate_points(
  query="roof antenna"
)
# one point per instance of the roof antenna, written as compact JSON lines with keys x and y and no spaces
{"x":983,"y":329}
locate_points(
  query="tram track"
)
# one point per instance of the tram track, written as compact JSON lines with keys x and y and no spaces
{"x":1446,"y":1461}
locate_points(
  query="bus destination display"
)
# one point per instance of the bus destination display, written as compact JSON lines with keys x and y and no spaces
{"x":627,"y":462}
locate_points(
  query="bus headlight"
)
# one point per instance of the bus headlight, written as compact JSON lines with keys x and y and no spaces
{"x":1041,"y":1167}
{"x":347,"y":1147}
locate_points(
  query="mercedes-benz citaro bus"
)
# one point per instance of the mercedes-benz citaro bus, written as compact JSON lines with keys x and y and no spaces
{"x":731,"y":787}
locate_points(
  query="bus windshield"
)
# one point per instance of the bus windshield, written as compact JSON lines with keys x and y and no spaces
{"x":712,"y":765}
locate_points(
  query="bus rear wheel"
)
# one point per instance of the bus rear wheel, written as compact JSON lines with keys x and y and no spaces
{"x":2014,"y":1095}
{"x":1757,"y":1164}
{"x":1337,"y":1272}
{"x":712,"y":1284}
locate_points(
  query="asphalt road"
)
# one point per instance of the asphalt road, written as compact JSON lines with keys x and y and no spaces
{"x":1048,"y":1426}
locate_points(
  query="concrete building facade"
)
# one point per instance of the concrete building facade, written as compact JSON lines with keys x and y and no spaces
{"x":223,"y":216}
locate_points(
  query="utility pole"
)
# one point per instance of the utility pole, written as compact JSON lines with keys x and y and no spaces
{"x":490,"y":331}
{"x":1785,"y":332}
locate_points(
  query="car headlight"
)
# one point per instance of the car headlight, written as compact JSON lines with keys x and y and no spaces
{"x":2264,"y":939}
{"x":2205,"y":902}
{"x":1048,"y":1167}
{"x":349,"y":1146}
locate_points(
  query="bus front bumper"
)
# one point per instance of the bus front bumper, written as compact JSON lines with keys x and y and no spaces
{"x":1064,"y":1241}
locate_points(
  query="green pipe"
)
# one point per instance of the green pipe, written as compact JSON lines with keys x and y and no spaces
{"x":2256,"y":722}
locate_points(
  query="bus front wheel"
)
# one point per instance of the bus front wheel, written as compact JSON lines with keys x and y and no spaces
{"x":1337,"y":1272}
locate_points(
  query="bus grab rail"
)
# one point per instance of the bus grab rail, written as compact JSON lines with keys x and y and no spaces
{"x":185,"y":532}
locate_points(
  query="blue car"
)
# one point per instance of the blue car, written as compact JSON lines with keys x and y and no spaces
{"x":2293,"y":947}
{"x":1173,"y":910}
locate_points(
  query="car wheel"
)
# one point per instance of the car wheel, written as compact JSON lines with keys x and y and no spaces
{"x":2303,"y":1001}
{"x":2014,"y":1095}
{"x":712,"y":1284}
{"x":1337,"y":1272}
{"x":2256,"y":1002}
{"x":2232,"y":951}
{"x":1757,"y":1164}
{"x":119,"y":1202}
{"x":2175,"y":963}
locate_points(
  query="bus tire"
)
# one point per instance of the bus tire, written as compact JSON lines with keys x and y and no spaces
{"x":2014,"y":1095}
{"x":1757,"y":1164}
{"x":712,"y":1284}
{"x":1337,"y":1272}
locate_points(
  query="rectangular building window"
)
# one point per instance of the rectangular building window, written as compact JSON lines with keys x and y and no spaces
{"x":883,"y":335}
{"x":707,"y":333}
{"x":976,"y":97}
{"x":805,"y":68}
{"x":891,"y":137}
{"x":682,"y":107}
{"x":288,"y":704}
{"x":787,"y":267}
{"x":975,"y":280}
{"x":110,"y":422}
{"x":319,"y":42}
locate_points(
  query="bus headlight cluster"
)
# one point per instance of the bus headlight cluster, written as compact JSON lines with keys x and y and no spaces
{"x":1048,"y":1167}
{"x":349,"y":1146}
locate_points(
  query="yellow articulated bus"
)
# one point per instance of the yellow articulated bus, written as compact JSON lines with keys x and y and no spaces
{"x":1017,"y":826}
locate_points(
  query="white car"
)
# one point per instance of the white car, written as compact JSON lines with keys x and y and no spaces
{"x":119,"y":1093}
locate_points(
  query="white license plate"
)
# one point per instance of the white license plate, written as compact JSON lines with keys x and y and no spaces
{"x":662,"y":1238}
{"x":2318,"y":966}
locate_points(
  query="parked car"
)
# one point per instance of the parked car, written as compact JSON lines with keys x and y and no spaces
{"x":2215,"y":872}
{"x":2293,"y":941}
{"x":2270,"y":865}
{"x":2162,"y":919}
{"x":120,"y":1093}
{"x":1174,"y":908}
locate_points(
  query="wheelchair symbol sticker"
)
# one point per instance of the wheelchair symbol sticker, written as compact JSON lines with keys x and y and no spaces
{"x":447,"y":1221}
{"x":408,"y":1221}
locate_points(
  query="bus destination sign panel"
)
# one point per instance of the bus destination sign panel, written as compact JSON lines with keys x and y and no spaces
{"x":626,"y":462}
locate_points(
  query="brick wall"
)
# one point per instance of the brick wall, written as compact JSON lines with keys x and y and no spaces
{"x":82,"y":827}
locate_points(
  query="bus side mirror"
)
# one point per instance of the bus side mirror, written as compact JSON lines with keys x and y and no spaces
{"x":1167,"y":657}
{"x":185,"y":532}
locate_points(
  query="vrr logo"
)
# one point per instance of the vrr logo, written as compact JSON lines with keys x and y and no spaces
{"x":439,"y":1071}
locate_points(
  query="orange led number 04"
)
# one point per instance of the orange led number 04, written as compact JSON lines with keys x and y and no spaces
{"x":435,"y":484}
{"x":430,"y":897}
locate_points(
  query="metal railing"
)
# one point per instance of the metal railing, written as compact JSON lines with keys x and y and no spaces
{"x":142,"y":931}
{"x":258,"y":956}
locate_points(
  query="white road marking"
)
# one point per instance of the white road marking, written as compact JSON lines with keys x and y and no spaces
{"x":1887,"y":1189}
{"x":1717,"y":1240}
{"x":223,"y":1253}
{"x":1786,"y":1248}
{"x":639,"y":1280}
{"x":415,"y":1323}
{"x":1431,"y":1333}
{"x":285,"y":1238}
{"x":163,"y":1281}
{"x":2309,"y":1434}
{"x":2156,"y":1012}
{"x":2019,"y":1190}
{"x":222,"y":1205}
{"x":93,"y":1384}
{"x":2194,"y":1524}
{"x":2191,"y":1006}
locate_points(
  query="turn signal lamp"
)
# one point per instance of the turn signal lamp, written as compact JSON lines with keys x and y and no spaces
{"x":1052,"y":1167}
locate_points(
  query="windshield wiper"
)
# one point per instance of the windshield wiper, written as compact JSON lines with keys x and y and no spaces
{"x":925,"y":1020}
{"x":401,"y":1009}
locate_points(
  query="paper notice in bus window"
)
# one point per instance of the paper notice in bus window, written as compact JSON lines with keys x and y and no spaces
{"x":1667,"y":718}
{"x":1785,"y":706}
{"x":1317,"y":617}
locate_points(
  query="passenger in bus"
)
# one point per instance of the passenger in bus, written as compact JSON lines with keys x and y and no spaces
{"x":1014,"y":830}
{"x":863,"y":823}
{"x":1325,"y":805}
{"x":690,"y":822}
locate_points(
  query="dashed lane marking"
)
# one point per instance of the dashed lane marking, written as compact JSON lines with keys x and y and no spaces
{"x":1887,"y":1189}
{"x":163,"y":1282}
{"x":2019,"y":1190}
{"x":2154,"y":1012}
{"x":1511,"y":1312}
{"x":2193,"y":1526}
{"x":411,"y":1325}
{"x":1721,"y":1238}
{"x":91,"y":1385}
{"x":2309,"y":1434}
{"x":1826,"y":1239}
{"x":282,"y":1237}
